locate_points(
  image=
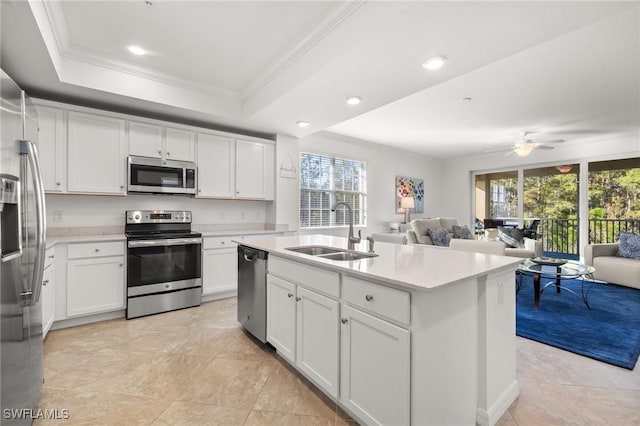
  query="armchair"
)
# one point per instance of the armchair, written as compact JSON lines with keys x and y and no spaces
{"x":610,"y":267}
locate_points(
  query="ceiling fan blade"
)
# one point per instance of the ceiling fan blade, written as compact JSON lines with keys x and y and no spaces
{"x":492,"y":151}
{"x":544,"y":147}
{"x":553,"y":141}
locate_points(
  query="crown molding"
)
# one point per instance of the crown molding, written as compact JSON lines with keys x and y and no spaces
{"x":67,"y":50}
{"x":332,"y":19}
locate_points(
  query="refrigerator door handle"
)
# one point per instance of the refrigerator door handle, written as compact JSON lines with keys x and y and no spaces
{"x":38,"y":267}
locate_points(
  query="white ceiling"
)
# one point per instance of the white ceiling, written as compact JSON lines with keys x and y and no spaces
{"x":567,"y":70}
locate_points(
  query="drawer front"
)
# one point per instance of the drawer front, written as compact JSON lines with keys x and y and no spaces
{"x":219,"y":242}
{"x":97,"y":249}
{"x":49,"y":257}
{"x":323,"y":281}
{"x":378,"y":299}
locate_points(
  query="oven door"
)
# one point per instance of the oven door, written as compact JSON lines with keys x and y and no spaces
{"x":163,"y":265}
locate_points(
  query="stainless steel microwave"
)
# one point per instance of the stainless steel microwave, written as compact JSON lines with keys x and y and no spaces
{"x":155,"y":175}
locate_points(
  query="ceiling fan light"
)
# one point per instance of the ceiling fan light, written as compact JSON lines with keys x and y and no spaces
{"x":524,"y":150}
{"x":564,"y":168}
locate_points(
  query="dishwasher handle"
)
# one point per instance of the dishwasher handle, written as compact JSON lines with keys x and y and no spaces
{"x":250,"y":259}
{"x":250,"y":255}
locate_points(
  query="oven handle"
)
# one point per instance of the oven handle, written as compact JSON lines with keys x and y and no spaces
{"x":165,"y":242}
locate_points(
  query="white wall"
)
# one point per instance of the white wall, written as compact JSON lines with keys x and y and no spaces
{"x":284,"y":212}
{"x":383,"y":165}
{"x":457,"y":173}
{"x":89,"y":210}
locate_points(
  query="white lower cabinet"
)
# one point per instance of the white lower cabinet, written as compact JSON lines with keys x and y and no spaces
{"x":219,"y":265}
{"x":377,"y":395}
{"x":95,"y":278}
{"x":303,"y":327}
{"x":281,"y":316}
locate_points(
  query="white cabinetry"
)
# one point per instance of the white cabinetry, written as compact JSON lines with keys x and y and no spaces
{"x":47,"y":294}
{"x":216,"y":166}
{"x":281,"y":316}
{"x":179,"y":144}
{"x":150,"y":140}
{"x":254,"y":170}
{"x":52,"y":145}
{"x":97,"y":153}
{"x":302,"y":324}
{"x":219,"y":265}
{"x":378,"y":395}
{"x":95,"y":278}
{"x":145,"y":139}
{"x":235,"y":168}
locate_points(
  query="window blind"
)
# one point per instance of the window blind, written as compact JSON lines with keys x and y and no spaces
{"x":326,"y":180}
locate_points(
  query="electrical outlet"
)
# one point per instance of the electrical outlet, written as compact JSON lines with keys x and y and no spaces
{"x":58,"y":216}
{"x":500,"y":293}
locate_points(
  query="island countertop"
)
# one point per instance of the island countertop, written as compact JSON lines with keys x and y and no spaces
{"x":419,"y":267}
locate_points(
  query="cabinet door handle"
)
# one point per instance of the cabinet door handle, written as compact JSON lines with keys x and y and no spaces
{"x":45,"y":282}
{"x":58,"y":183}
{"x":298,"y":299}
{"x":369,"y":297}
{"x":168,"y":154}
{"x":52,"y":256}
{"x":160,"y":152}
{"x":121,"y":265}
{"x":290,"y":295}
{"x":344,"y":320}
{"x":97,"y":250}
{"x":121,"y":186}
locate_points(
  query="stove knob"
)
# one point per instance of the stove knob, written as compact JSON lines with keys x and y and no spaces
{"x":137,"y":217}
{"x":130,"y":217}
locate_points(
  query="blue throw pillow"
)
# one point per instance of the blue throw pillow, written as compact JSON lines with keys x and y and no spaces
{"x":629,"y":245}
{"x":439,"y":236}
{"x":462,"y":232}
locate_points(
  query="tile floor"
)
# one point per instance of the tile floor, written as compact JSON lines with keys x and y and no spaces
{"x":197,"y":367}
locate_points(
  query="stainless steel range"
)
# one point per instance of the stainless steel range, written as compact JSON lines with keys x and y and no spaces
{"x":164,"y":269}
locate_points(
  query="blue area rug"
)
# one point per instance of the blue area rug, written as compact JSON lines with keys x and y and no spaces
{"x":609,"y":332}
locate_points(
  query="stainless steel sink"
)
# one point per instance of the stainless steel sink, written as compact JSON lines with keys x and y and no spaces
{"x":348,"y":255}
{"x":332,"y":253}
{"x":314,"y":250}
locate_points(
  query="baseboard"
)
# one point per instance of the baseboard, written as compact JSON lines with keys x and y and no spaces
{"x":497,"y":410}
{"x":73,"y":322}
{"x":217,"y":296}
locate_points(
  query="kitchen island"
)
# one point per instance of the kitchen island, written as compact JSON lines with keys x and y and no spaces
{"x":416,"y":335}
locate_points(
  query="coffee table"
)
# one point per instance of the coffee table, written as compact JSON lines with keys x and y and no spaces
{"x":568,"y":270}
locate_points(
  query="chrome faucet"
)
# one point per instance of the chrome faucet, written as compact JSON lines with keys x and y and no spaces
{"x":352,"y":240}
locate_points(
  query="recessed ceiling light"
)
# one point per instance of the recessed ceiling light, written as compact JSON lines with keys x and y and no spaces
{"x":353,"y":100}
{"x":137,"y":50}
{"x":434,"y":62}
{"x":303,"y":123}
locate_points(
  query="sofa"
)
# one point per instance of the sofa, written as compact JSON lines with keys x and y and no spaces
{"x":417,"y":234}
{"x":610,"y":267}
{"x":417,"y":231}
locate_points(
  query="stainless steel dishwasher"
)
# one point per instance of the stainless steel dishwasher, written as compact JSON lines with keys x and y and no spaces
{"x":252,"y":291}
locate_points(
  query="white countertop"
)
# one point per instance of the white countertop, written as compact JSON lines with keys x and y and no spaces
{"x":411,"y":266}
{"x":53,"y":240}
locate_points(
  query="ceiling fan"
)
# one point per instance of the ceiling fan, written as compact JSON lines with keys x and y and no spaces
{"x":525,"y":145}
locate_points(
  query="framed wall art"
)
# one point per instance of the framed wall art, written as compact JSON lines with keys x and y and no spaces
{"x":410,"y":187}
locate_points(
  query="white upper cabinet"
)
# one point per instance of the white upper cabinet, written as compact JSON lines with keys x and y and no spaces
{"x":216,"y":166}
{"x":52,"y":144}
{"x":254,"y":170}
{"x":97,"y":154}
{"x":179,"y":145}
{"x":150,"y":140}
{"x":145,"y":140}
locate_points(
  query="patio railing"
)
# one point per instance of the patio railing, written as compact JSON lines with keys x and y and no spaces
{"x":560,"y":237}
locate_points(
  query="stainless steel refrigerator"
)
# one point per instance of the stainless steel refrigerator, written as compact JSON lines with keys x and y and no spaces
{"x":22,"y":237}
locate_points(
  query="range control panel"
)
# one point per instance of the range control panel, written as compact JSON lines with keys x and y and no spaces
{"x":158,"y":216}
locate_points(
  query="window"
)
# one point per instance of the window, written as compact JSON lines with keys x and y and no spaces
{"x":326,"y":180}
